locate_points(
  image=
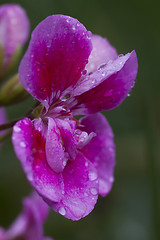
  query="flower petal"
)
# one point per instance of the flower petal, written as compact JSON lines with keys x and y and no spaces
{"x":100,"y":150}
{"x":14,"y":28}
{"x":106,"y":88}
{"x":101,"y":53}
{"x":57,"y":54}
{"x":80,"y":193}
{"x":29,"y":145}
{"x":28,"y":224}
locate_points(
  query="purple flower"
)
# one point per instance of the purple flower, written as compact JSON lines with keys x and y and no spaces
{"x":29,"y":224}
{"x":14,"y":30}
{"x":71,"y":72}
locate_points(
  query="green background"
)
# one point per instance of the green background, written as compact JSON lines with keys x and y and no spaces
{"x":131,"y":211}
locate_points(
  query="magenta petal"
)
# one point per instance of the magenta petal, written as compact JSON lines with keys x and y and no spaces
{"x":80,"y":192}
{"x":54,"y":148}
{"x":67,"y":129}
{"x":101,"y":53}
{"x":29,"y":145}
{"x":14,"y":28}
{"x":29,"y":224}
{"x":106,"y":88}
{"x":100,"y":150}
{"x":57,"y":53}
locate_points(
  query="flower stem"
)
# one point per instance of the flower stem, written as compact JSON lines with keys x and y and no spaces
{"x":8,"y":125}
{"x":5,"y":135}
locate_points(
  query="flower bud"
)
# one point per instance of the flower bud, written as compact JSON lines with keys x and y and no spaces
{"x":12,"y":92}
{"x":14,"y":31}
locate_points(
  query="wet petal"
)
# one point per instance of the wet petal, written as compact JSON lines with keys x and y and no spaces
{"x":80,"y":192}
{"x":57,"y":54}
{"x":102,"y":52}
{"x":100,"y":150}
{"x":29,"y":144}
{"x":106,"y":88}
{"x":14,"y":28}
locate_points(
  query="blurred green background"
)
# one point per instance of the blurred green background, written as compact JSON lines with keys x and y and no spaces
{"x":132,"y":210}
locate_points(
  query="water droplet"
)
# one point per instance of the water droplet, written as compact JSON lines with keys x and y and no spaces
{"x":103,"y":74}
{"x":120,"y":55}
{"x":111,"y":179}
{"x":22,"y":144}
{"x":129,"y":95}
{"x":63,"y":192}
{"x":89,"y":34}
{"x":74,"y":28}
{"x":17,"y":129}
{"x":92,"y":176}
{"x":84,"y":72}
{"x":86,"y":194}
{"x":86,"y":164}
{"x":37,"y":168}
{"x":77,"y":132}
{"x":94,"y":191}
{"x":64,"y":163}
{"x":93,"y":81}
{"x":101,"y":66}
{"x":62,"y":211}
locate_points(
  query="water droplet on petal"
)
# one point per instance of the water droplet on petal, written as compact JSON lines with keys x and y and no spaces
{"x":77,"y":132}
{"x":120,"y":55}
{"x":22,"y":144}
{"x":92,"y":176}
{"x":62,"y":211}
{"x":74,"y":28}
{"x":86,"y":164}
{"x":103,"y":74}
{"x":94,"y":191}
{"x":37,"y":168}
{"x":17,"y":129}
{"x":93,"y":81}
{"x":129,"y":95}
{"x":63,"y":192}
{"x":89,"y":34}
{"x":86,"y":194}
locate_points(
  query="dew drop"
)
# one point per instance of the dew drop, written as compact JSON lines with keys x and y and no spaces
{"x":62,"y":211}
{"x":64,"y":163}
{"x":120,"y":55}
{"x":129,"y":95}
{"x":22,"y":144}
{"x":103,"y":74}
{"x":102,"y":66}
{"x":93,"y":81}
{"x":93,"y":191}
{"x":17,"y":129}
{"x":92,"y":176}
{"x":89,"y":34}
{"x":63,"y":192}
{"x":86,"y":164}
{"x":74,"y":28}
{"x":37,"y":168}
{"x":77,"y":132}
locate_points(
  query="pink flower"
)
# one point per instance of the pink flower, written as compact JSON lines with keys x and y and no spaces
{"x":71,"y":72}
{"x":28,"y":225}
{"x":14,"y":30}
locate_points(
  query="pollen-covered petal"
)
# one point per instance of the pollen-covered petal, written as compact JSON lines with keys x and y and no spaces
{"x":102,"y":52}
{"x":29,"y":142}
{"x":100,"y":150}
{"x":57,"y":54}
{"x":106,"y":88}
{"x":80,"y":191}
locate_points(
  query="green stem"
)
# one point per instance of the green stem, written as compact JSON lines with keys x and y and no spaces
{"x":8,"y":125}
{"x":5,"y":135}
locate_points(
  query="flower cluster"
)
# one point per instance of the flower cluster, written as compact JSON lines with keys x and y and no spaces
{"x":29,"y":224}
{"x":71,"y":72}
